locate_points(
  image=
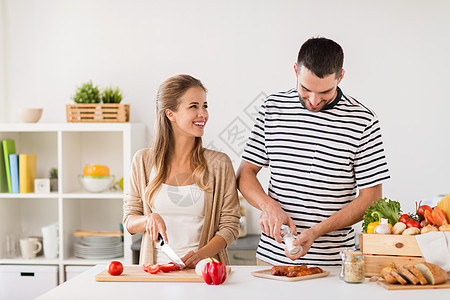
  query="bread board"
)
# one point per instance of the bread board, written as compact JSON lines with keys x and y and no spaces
{"x":268,"y":274}
{"x":137,"y":274}
{"x":397,"y":286}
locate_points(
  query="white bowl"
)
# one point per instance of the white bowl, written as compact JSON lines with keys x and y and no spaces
{"x":30,"y":115}
{"x":97,"y":184}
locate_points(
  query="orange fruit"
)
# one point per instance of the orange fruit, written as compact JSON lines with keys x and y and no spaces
{"x":96,"y":170}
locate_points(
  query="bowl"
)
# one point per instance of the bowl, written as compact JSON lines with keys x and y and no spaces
{"x":96,"y":170}
{"x":97,"y":184}
{"x":30,"y":115}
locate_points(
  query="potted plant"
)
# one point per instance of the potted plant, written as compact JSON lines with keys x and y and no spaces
{"x":111,"y":95}
{"x":53,"y":175}
{"x":87,"y":93}
{"x":88,"y":106}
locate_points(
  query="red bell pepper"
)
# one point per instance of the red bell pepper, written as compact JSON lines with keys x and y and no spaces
{"x":214,"y":272}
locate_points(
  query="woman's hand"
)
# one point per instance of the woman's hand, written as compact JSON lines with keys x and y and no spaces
{"x":191,"y":259}
{"x":155,"y":225}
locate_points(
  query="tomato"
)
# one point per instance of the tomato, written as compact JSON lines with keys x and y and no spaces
{"x":421,"y":211}
{"x":115,"y":268}
{"x":153,"y":269}
{"x":412,"y":223}
{"x":404,"y":218}
{"x":167,"y":267}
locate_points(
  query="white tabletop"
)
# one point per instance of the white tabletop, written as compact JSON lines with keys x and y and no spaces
{"x":239,"y":285}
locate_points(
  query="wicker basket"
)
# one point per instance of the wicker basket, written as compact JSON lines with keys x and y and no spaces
{"x":97,"y":112}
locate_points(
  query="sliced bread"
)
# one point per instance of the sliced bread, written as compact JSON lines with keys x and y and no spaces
{"x":407,"y":275}
{"x":434,"y":274}
{"x":389,"y":278}
{"x":413,"y":269}
{"x":397,"y":276}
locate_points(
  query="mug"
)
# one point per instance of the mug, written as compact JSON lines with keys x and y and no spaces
{"x":30,"y":247}
{"x":50,"y":240}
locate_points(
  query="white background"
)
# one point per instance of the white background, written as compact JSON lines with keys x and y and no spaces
{"x":396,"y":61}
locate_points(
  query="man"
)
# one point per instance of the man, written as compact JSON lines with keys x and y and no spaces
{"x":325,"y":154}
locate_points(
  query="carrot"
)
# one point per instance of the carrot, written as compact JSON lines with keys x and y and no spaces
{"x":430,"y":218}
{"x":439,"y":216}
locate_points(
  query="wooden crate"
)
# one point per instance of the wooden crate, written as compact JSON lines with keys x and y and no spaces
{"x":381,"y":249}
{"x":98,"y":112}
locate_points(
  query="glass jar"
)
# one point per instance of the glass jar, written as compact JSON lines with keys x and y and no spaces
{"x":354,"y":267}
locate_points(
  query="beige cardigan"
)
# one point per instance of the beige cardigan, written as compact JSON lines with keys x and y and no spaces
{"x":221,"y":204}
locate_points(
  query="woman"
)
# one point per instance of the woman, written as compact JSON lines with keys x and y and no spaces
{"x":179,"y":189}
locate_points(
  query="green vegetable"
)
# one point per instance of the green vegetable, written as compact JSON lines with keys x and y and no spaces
{"x":383,"y":208}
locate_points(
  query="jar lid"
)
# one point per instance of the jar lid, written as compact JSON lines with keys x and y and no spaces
{"x":353,"y":253}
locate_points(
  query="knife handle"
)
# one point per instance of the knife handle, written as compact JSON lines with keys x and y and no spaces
{"x":161,"y":239}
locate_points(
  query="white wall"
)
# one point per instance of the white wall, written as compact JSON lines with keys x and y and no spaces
{"x":396,"y":61}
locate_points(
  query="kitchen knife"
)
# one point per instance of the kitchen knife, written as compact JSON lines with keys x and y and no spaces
{"x":170,"y":253}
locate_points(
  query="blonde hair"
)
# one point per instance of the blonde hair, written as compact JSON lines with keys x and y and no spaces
{"x":168,"y":97}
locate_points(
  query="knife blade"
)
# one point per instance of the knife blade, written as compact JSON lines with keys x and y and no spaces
{"x":170,"y":253}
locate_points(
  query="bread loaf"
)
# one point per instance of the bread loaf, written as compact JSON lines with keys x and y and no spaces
{"x":434,"y":274}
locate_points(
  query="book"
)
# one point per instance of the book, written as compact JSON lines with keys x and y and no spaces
{"x":14,"y":169}
{"x":27,"y":172}
{"x":9,"y":147}
{"x":3,"y":180}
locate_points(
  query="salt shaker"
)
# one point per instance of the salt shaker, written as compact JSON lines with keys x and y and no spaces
{"x":288,"y":238}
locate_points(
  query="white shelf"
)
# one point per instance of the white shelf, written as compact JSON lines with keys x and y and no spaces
{"x":116,"y":195}
{"x":85,"y":261}
{"x":39,"y":260}
{"x":29,"y":196}
{"x":69,"y":147}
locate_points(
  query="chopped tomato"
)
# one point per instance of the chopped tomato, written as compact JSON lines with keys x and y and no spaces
{"x":152,"y":269}
{"x":167,"y":267}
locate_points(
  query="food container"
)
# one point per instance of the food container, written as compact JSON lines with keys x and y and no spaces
{"x":381,"y":249}
{"x":353,"y":266}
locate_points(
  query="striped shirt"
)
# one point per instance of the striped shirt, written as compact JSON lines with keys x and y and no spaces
{"x":317,"y":163}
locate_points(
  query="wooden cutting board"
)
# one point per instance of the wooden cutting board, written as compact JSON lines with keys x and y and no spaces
{"x":137,"y":274}
{"x":409,"y":286}
{"x":268,"y":274}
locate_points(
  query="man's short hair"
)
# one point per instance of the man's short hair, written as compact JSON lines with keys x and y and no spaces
{"x":321,"y":56}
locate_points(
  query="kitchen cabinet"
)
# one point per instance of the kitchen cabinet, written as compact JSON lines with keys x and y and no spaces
{"x":69,"y":147}
{"x":243,"y":250}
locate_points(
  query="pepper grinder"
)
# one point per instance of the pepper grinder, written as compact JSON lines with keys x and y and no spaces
{"x":288,"y":238}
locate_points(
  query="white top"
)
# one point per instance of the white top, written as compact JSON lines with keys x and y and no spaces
{"x":183,"y":211}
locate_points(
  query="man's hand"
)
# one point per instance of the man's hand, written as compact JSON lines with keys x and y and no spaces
{"x":305,"y":240}
{"x":271,"y":220}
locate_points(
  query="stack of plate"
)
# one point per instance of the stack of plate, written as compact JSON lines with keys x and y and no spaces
{"x":99,"y":247}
